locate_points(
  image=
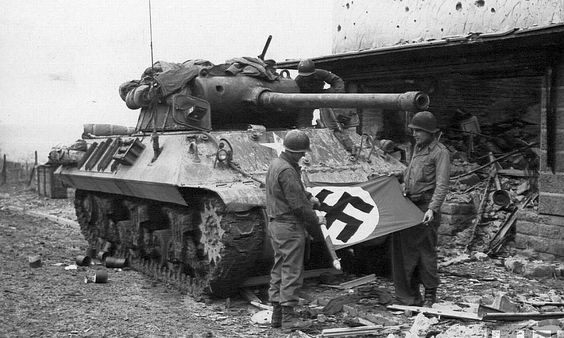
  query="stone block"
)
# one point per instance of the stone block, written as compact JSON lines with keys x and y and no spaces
{"x":551,"y":183}
{"x":535,"y":217}
{"x":534,"y":269}
{"x":461,"y":221}
{"x":446,"y":240}
{"x":451,"y":229}
{"x":503,"y":303}
{"x":526,"y":228}
{"x":450,"y":208}
{"x":379,"y":318}
{"x":551,"y":231}
{"x":532,"y":242}
{"x":559,"y":159}
{"x":546,"y":256}
{"x":552,"y":204}
{"x":556,"y":248}
{"x":470,"y":180}
{"x":515,"y":264}
{"x":559,"y":139}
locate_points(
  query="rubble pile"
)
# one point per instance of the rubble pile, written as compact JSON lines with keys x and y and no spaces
{"x":494,"y":173}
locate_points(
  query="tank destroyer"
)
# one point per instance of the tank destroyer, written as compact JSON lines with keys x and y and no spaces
{"x":182,"y":195}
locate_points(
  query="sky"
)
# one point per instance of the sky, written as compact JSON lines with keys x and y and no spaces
{"x":62,"y":62}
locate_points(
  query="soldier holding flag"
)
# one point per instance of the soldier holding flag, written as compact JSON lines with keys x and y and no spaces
{"x":291,"y":214}
{"x":414,"y":253}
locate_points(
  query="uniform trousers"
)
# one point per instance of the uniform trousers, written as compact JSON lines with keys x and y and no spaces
{"x":288,"y":240}
{"x":414,"y":259}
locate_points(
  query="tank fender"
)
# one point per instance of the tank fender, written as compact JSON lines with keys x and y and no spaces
{"x":241,"y":197}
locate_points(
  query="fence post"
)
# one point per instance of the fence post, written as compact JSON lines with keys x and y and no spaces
{"x":32,"y":174}
{"x":3,"y":174}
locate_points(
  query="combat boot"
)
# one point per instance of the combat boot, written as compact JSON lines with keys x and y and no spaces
{"x":276,"y":321}
{"x":290,"y":320}
{"x":430,"y":297}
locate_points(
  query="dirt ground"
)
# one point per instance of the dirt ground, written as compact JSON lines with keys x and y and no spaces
{"x":53,"y":300}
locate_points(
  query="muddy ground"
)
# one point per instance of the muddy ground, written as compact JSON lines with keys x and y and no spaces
{"x":53,"y":300}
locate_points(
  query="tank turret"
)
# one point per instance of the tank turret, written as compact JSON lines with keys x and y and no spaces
{"x":182,"y":195}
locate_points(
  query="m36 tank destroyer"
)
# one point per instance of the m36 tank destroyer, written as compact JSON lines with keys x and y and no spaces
{"x":182,"y":196}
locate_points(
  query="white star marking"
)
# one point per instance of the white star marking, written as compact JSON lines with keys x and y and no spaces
{"x":276,"y":145}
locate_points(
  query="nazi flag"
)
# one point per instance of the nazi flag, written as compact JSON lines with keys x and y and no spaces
{"x":359,"y":212}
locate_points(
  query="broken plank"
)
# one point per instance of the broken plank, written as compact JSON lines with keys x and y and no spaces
{"x":265,"y":279}
{"x":436,"y":312}
{"x":330,"y":286}
{"x":357,"y":282}
{"x":515,"y":172}
{"x":365,"y":322}
{"x":540,"y":304}
{"x":249,"y":295}
{"x":262,"y":280}
{"x":517,"y":316}
{"x":261,"y":305}
{"x":351,"y":331}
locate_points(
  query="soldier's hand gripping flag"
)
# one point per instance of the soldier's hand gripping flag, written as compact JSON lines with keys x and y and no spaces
{"x":357,"y":213}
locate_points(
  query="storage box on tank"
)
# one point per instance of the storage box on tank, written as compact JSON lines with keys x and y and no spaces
{"x":48,"y":184}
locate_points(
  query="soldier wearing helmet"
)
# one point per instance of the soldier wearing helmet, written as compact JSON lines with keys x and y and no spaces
{"x":312,"y":80}
{"x":291,"y":215}
{"x":426,"y":180}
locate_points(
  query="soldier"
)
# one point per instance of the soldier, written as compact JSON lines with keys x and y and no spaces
{"x":312,"y":80}
{"x":291,"y":214}
{"x":414,"y":254}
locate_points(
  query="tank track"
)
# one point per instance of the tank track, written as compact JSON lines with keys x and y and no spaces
{"x":199,"y":251}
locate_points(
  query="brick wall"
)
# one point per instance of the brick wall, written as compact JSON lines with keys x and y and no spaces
{"x":543,"y":231}
{"x":543,"y":234}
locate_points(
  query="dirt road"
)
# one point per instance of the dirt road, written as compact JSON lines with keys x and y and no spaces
{"x":51,"y":301}
{"x":54,"y":301}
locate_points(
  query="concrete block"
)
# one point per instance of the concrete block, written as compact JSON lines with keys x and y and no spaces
{"x":450,"y":208}
{"x":527,"y":228}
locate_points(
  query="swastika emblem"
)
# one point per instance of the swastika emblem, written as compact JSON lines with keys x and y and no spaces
{"x":350,"y":212}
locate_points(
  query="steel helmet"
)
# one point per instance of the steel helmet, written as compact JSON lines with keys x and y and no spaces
{"x":387,"y":146}
{"x":424,"y":120}
{"x":296,"y":141}
{"x":306,"y":67}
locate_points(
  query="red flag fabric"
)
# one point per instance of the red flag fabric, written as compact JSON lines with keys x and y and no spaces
{"x":357,"y":213}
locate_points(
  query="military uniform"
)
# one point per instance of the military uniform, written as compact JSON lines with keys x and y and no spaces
{"x":314,"y":83}
{"x":414,"y":254}
{"x":291,"y":214}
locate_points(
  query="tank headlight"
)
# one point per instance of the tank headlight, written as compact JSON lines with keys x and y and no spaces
{"x":222,"y":155}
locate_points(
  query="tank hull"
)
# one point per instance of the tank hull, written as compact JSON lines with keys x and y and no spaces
{"x":191,"y":218}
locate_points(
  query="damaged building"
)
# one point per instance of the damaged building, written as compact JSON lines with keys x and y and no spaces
{"x":494,"y":71}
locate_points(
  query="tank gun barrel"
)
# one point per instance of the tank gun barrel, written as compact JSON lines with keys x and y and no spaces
{"x":410,"y":101}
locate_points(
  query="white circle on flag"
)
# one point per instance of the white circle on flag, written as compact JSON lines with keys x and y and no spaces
{"x":369,"y":221}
